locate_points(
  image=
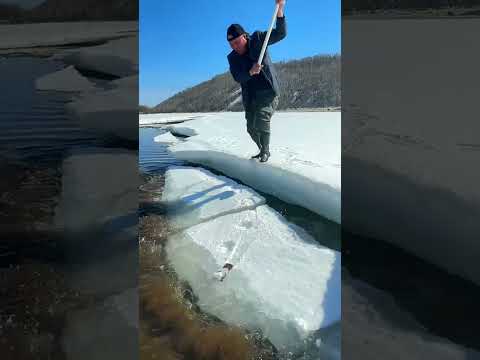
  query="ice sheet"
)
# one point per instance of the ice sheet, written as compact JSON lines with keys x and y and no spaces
{"x":165,"y":138}
{"x":109,"y":181}
{"x":426,"y":177}
{"x":68,"y":79}
{"x":304,"y":168}
{"x":109,"y":111}
{"x":116,"y":57}
{"x":167,"y":118}
{"x":282,"y":282}
{"x":195,"y":195}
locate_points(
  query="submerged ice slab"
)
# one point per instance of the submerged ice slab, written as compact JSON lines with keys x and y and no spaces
{"x":282,"y":282}
{"x":107,"y":329}
{"x":116,"y":57}
{"x":68,"y":79}
{"x":194,"y":195}
{"x":109,"y":112}
{"x":304,"y":168}
{"x":370,"y":332}
{"x":425,"y":178}
{"x":181,"y":131}
{"x":98,"y":186}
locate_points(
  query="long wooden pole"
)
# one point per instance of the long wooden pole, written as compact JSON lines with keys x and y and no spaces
{"x":265,"y":42}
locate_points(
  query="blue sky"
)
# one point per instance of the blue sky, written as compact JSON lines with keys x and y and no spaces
{"x":183,"y":42}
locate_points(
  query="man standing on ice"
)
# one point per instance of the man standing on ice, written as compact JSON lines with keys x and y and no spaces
{"x":259,"y":83}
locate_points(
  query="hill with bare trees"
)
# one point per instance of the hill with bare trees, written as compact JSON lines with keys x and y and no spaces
{"x":312,"y":82}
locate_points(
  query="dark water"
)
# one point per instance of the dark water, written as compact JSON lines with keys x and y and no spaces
{"x":36,"y":134}
{"x":153,"y":156}
{"x":34,"y":126}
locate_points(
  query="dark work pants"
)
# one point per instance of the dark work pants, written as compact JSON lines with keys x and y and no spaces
{"x":258,"y":111}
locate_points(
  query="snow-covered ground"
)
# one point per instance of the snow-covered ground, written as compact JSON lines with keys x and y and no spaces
{"x":305,"y":166}
{"x":425,"y":179}
{"x":283,"y":282}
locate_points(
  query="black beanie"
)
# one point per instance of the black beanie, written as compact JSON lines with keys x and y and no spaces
{"x":234,"y":30}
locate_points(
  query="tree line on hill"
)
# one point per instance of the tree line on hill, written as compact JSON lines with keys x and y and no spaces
{"x":312,"y":82}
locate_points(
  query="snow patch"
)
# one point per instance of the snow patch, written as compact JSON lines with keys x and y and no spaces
{"x":165,"y":138}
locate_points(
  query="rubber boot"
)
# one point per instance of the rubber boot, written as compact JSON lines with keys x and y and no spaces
{"x":265,"y":142}
{"x":256,"y":138}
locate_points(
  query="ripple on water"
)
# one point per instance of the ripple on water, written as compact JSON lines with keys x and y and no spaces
{"x":154,"y":157}
{"x":34,"y":126}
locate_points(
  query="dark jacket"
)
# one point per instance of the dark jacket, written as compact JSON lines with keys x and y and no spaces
{"x":241,"y":64}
